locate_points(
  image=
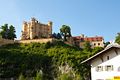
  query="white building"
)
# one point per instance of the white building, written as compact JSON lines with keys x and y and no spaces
{"x":105,"y":65}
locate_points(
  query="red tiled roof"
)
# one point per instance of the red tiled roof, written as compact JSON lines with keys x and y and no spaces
{"x":97,"y":38}
{"x":76,"y":38}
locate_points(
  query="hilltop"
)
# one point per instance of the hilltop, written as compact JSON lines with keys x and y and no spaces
{"x":53,"y":59}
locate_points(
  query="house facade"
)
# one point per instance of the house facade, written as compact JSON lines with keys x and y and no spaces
{"x":96,"y":41}
{"x":36,"y":30}
{"x":105,"y":65}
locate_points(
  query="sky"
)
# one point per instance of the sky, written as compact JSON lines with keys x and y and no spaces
{"x":88,"y":17}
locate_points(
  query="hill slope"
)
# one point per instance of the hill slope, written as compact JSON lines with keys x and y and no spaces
{"x":27,"y":59}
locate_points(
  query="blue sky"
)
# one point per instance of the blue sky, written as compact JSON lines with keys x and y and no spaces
{"x":89,"y":17}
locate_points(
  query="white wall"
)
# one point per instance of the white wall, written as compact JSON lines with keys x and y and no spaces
{"x":96,"y":43}
{"x":114,"y":60}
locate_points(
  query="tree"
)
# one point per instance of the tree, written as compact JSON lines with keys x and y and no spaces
{"x":38,"y":76}
{"x":96,"y":50}
{"x":65,"y":77}
{"x":54,"y":35}
{"x":117,"y":40}
{"x":106,"y":43}
{"x":11,"y":33}
{"x":4,"y":31}
{"x":59,"y":36}
{"x":65,"y":31}
{"x":87,"y":46}
{"x":8,"y":32}
{"x":21,"y":77}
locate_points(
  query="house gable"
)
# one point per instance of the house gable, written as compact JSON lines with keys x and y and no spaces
{"x":105,"y":64}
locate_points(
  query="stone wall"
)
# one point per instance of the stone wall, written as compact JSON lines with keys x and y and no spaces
{"x":35,"y":40}
{"x":5,"y":41}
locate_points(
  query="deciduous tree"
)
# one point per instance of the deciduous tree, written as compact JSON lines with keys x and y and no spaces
{"x":4,"y":31}
{"x":117,"y":40}
{"x":8,"y":32}
{"x":65,"y":31}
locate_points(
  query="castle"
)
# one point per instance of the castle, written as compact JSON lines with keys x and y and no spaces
{"x":36,"y":30}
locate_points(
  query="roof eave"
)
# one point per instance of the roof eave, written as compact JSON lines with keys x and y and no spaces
{"x":107,"y":48}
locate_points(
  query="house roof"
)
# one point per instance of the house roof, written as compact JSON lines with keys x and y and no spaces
{"x":97,"y":38}
{"x":113,"y":45}
{"x":76,"y":37}
{"x":93,"y":39}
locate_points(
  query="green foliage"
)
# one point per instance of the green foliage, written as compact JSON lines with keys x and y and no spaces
{"x":96,"y":50}
{"x":57,"y":36}
{"x":21,"y":77}
{"x":87,"y":46}
{"x":107,"y":43}
{"x":65,"y":31}
{"x":4,"y":31}
{"x":8,"y":32}
{"x":11,"y":34}
{"x":85,"y":71}
{"x":117,"y":40}
{"x":65,"y":77}
{"x":38,"y":76}
{"x":27,"y":59}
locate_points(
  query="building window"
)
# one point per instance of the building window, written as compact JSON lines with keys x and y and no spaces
{"x":109,"y":68}
{"x":94,"y":44}
{"x":99,"y":68}
{"x":119,"y":69}
{"x":98,"y":43}
{"x":31,"y":28}
{"x":108,"y":58}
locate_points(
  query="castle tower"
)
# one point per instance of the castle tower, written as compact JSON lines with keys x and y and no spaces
{"x":50,"y":28}
{"x":32,"y":28}
{"x":24,"y":30}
